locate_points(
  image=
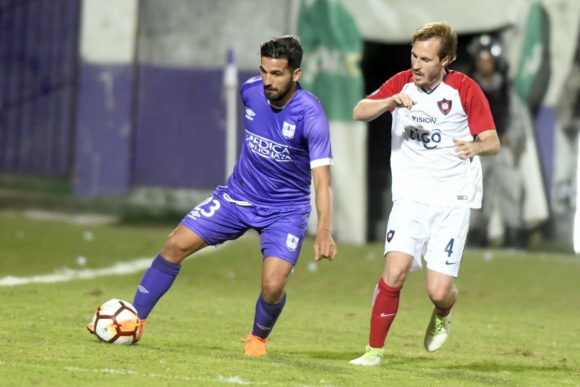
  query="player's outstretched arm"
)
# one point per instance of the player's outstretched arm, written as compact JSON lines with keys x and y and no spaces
{"x":324,"y":246}
{"x":369,"y":109}
{"x":486,"y":144}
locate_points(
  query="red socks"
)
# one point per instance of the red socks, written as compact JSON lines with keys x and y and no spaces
{"x":385,"y":306}
{"x":443,"y":312}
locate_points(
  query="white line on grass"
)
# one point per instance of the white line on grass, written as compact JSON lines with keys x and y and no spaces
{"x":219,"y":379}
{"x":66,"y":274}
{"x":120,"y":268}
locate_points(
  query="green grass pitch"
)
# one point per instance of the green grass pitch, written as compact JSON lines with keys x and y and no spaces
{"x":517,"y":321}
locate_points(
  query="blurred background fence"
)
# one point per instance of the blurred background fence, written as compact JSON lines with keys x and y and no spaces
{"x":38,"y":78}
{"x":119,"y":105}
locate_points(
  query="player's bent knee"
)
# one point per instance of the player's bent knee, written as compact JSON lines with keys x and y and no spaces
{"x":441,"y":296}
{"x":395,"y":278}
{"x":437,"y":298}
{"x":179,"y":246}
{"x":272,"y":292}
{"x":172,"y":254}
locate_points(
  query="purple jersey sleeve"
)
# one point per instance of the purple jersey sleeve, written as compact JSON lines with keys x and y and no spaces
{"x":280,"y":148}
{"x":317,"y":132}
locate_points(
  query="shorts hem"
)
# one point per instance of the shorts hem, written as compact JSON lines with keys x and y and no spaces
{"x":264,"y":256}
{"x":200,"y":234}
{"x":454,"y":275}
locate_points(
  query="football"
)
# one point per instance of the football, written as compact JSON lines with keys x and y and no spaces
{"x":116,"y":322}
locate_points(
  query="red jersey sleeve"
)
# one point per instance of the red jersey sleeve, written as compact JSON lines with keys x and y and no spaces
{"x":393,"y":86}
{"x":476,"y":107}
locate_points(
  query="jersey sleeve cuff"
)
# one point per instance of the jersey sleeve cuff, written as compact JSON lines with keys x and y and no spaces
{"x":320,"y":163}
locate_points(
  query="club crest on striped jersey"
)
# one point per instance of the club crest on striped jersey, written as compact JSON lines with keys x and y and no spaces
{"x":292,"y":242}
{"x":288,"y":130}
{"x":445,"y":106}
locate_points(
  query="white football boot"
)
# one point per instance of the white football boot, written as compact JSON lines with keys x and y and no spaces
{"x":437,"y":331}
{"x":372,"y":357}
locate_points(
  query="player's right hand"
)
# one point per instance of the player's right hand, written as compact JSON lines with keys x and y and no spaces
{"x":402,"y":100}
{"x":324,"y":247}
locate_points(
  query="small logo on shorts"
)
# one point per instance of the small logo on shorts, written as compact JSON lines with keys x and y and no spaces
{"x":461,"y":197}
{"x":193,"y":214}
{"x":292,"y":242}
{"x":451,"y":263}
{"x":390,"y":235}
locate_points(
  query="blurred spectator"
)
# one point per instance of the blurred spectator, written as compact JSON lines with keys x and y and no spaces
{"x":565,"y":181}
{"x":499,"y":222}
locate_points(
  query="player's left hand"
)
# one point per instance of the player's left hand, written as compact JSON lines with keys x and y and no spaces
{"x":324,"y":247}
{"x":467,"y":149}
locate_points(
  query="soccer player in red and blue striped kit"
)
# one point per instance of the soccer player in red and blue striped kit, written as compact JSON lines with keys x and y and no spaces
{"x":286,"y":147}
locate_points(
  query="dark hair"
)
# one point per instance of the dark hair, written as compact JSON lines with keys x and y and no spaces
{"x":284,"y":47}
{"x":442,"y":31}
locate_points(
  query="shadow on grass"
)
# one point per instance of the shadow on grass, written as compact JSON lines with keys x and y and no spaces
{"x":498,"y":367}
{"x":332,"y":355}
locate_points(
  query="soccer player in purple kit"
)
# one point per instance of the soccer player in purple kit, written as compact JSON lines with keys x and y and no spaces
{"x":286,"y":146}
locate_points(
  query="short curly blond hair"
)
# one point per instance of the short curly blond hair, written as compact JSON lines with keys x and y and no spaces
{"x":442,"y":31}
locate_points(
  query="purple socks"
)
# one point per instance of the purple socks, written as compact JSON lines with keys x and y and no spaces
{"x":155,"y":282}
{"x":266,"y":316}
{"x":160,"y":276}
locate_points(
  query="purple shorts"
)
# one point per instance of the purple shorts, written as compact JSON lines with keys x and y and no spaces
{"x":220,"y":218}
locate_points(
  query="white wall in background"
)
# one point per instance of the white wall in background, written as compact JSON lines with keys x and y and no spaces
{"x":108,"y":29}
{"x":198,"y":33}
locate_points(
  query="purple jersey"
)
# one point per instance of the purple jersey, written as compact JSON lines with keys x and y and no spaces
{"x":280,"y":148}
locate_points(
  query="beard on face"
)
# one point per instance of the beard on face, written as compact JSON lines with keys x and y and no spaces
{"x":425,"y":79}
{"x":276,"y":97}
{"x":420,"y":75}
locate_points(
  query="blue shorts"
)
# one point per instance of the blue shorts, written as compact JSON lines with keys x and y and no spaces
{"x":220,"y":218}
